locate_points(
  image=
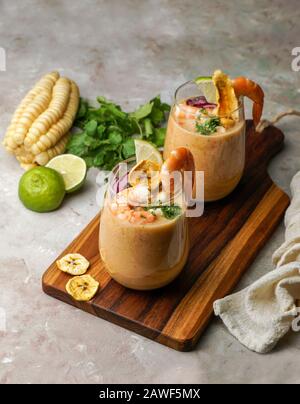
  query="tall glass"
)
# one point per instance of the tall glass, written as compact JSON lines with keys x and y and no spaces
{"x":220,"y":155}
{"x":146,"y":253}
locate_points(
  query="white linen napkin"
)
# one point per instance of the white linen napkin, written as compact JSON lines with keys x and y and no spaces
{"x":261,"y":314}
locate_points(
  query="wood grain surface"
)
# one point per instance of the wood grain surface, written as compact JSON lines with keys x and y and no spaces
{"x":224,"y":243}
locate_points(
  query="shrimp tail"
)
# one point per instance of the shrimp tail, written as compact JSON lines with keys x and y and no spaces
{"x":180,"y":159}
{"x":257,"y":113}
{"x":248,"y":88}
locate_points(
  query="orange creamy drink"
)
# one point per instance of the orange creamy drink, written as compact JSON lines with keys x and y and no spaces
{"x":213,"y":131}
{"x":144,"y":244}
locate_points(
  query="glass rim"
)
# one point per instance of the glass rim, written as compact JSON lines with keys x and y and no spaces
{"x":113,"y":175}
{"x":176,"y":101}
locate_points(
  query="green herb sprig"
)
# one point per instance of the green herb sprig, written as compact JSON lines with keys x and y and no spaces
{"x":209,"y":126}
{"x":107,"y":133}
{"x":169,"y":212}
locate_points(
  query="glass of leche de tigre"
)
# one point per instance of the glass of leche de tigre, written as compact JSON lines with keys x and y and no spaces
{"x":143,"y":230}
{"x":214,"y":131}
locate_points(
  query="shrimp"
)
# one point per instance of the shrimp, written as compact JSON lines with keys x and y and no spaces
{"x":180,"y":159}
{"x":183,"y":112}
{"x":248,"y":88}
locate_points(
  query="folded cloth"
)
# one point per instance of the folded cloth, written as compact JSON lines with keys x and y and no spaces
{"x":292,"y":217}
{"x":261,"y":314}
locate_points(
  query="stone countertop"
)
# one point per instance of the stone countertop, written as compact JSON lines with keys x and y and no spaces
{"x":130,"y":50}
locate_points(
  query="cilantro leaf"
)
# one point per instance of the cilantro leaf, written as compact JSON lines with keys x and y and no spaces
{"x":143,"y":111}
{"x":83,"y":107}
{"x":76,"y":144}
{"x":91,"y":127}
{"x":169,"y":212}
{"x":115,"y":138}
{"x":208,"y":127}
{"x":128,"y":148}
{"x":148,"y":127}
{"x":159,"y":136}
{"x":158,"y":111}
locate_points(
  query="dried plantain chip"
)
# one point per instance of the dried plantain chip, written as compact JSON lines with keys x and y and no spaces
{"x":82,"y":288}
{"x":73,"y":264}
{"x":226,"y":98}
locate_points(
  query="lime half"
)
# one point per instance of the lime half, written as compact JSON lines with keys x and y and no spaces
{"x":146,"y":151}
{"x":72,"y":168}
{"x":207,"y":87}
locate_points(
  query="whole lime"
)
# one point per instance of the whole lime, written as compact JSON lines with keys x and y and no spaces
{"x":41,"y":189}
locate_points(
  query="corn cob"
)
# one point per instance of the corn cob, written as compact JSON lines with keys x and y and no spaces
{"x":41,"y":95}
{"x":9,"y":140}
{"x":55,"y":110}
{"x":50,"y":138}
{"x":39,"y":129}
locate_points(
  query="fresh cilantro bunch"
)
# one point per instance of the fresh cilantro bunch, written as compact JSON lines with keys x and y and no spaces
{"x":107,"y":132}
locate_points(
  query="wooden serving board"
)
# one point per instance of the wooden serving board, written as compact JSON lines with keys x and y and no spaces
{"x":224,"y":242}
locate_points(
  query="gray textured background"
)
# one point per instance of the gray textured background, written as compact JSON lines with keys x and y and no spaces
{"x":130,"y":50}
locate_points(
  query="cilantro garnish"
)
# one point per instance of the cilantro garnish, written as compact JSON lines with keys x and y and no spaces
{"x":209,"y":126}
{"x":107,"y":132}
{"x":169,"y":212}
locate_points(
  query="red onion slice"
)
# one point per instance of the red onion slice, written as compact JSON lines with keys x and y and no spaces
{"x":200,"y":102}
{"x":120,"y":184}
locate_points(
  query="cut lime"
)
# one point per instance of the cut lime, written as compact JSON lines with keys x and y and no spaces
{"x":207,"y":87}
{"x":41,"y":189}
{"x":72,"y":168}
{"x":202,"y":79}
{"x":146,"y":151}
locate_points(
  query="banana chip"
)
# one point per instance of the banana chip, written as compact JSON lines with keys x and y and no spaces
{"x":226,"y":98}
{"x":82,"y":288}
{"x":73,"y":264}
